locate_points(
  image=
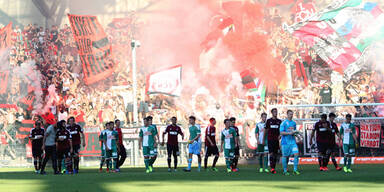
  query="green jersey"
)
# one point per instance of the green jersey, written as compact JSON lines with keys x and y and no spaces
{"x":101,"y":138}
{"x":111,"y":139}
{"x":260,"y":129}
{"x":228,"y":137}
{"x":148,"y":134}
{"x":194,"y":130}
{"x":347,"y":130}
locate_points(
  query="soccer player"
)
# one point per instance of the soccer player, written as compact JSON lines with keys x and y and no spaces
{"x":210,"y":144}
{"x":262,"y":149}
{"x":75,"y":130}
{"x":323,"y":132}
{"x":348,"y":135}
{"x":64,"y":147}
{"x":153,"y":159}
{"x":102,"y":147}
{"x":237,"y":148}
{"x":228,"y":143}
{"x":288,"y":143}
{"x":148,"y":140}
{"x":332,"y":141}
{"x":272,"y":132}
{"x":111,"y":139}
{"x":49,"y":147}
{"x":122,"y":155}
{"x":194,"y":143}
{"x":37,"y":135}
{"x":173,"y":130}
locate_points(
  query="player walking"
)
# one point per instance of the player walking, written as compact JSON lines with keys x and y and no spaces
{"x":228,"y":144}
{"x":122,"y":154}
{"x":153,"y":159}
{"x":102,"y":147}
{"x":272,"y":132}
{"x":237,"y":148}
{"x":173,"y":130}
{"x":148,"y":139}
{"x":323,"y":132}
{"x":288,"y":143}
{"x":64,"y":147}
{"x":332,"y":141}
{"x":111,"y":139}
{"x":210,"y":144}
{"x":194,"y":143}
{"x":75,"y":130}
{"x":262,"y":149}
{"x":37,"y":135}
{"x":348,"y":135}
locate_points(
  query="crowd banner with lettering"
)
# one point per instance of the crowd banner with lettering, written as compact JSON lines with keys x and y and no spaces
{"x":5,"y":36}
{"x":370,"y":134}
{"x":3,"y":81}
{"x":167,"y":81}
{"x":94,"y":48}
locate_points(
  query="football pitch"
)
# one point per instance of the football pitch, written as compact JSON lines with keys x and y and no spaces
{"x":364,"y":178}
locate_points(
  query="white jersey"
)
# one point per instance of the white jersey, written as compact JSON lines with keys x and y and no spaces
{"x":261,"y":128}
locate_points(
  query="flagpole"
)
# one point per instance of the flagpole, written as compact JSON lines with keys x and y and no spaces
{"x":134,"y":44}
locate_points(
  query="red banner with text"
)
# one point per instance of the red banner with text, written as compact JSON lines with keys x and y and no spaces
{"x":370,"y":134}
{"x":94,"y":48}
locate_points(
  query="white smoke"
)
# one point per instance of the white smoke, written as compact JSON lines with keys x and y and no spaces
{"x":29,"y":71}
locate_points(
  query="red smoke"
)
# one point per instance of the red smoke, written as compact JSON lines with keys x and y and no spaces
{"x":229,"y":36}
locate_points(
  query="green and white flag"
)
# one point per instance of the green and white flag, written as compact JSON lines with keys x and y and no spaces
{"x":342,"y":33}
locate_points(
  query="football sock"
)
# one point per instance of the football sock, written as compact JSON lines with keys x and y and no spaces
{"x":175,"y":162}
{"x":349,"y":162}
{"x":169,"y":160}
{"x":345,"y":161}
{"x":59,"y":165}
{"x":320,"y":158}
{"x":76,"y":163}
{"x":189,"y":164}
{"x":108,"y":163}
{"x":146,"y":162}
{"x":215,"y":161}
{"x":228,"y":163}
{"x":35,"y":164}
{"x":205,"y":162}
{"x":235,"y":161}
{"x":115,"y":163}
{"x":39,"y":163}
{"x":284,"y":161}
{"x":102,"y":163}
{"x":261,"y":161}
{"x":334,"y":161}
{"x":265,"y":161}
{"x":295,"y":163}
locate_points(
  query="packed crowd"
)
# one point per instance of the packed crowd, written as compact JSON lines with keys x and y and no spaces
{"x":52,"y":56}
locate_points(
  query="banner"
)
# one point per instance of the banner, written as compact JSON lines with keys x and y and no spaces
{"x":167,"y":81}
{"x":341,"y":33}
{"x":3,"y":81}
{"x":5,"y":36}
{"x":94,"y":48}
{"x":256,"y":87}
{"x":92,"y":143}
{"x":370,"y":134}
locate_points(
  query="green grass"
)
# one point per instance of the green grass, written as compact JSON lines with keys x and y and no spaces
{"x":364,"y":178}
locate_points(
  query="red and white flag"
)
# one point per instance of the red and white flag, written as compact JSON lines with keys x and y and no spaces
{"x":167,"y":81}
